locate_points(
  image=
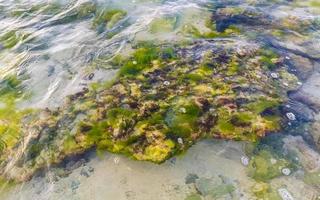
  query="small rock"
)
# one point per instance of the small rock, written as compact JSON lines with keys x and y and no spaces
{"x":84,"y":172}
{"x":91,"y":75}
{"x":180,"y":141}
{"x":183,"y":110}
{"x":273,"y":161}
{"x":134,"y":62}
{"x":274,"y":75}
{"x":284,"y":194}
{"x":116,"y":160}
{"x":286,"y":171}
{"x":90,"y":169}
{"x":291,"y":116}
{"x":166,"y":83}
{"x":191,"y":178}
{"x":75,"y":184}
{"x":245,"y":160}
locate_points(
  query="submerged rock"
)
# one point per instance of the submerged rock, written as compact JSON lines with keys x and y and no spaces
{"x":162,"y":103}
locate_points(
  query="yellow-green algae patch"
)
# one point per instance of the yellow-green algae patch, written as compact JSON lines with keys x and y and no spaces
{"x":12,"y":38}
{"x":159,"y":105}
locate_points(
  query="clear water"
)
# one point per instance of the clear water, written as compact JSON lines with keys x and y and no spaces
{"x":56,"y":55}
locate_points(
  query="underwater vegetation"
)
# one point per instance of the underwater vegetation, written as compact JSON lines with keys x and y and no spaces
{"x":12,"y":38}
{"x":159,"y":104}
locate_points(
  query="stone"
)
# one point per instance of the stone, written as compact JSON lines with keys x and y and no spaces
{"x":75,"y":185}
{"x":245,"y":160}
{"x":291,"y":116}
{"x":166,"y":83}
{"x":274,"y":75}
{"x":180,"y":141}
{"x":284,"y":194}
{"x":191,"y":178}
{"x":286,"y":171}
{"x":116,"y":160}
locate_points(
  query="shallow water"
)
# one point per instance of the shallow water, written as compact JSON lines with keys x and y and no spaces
{"x":56,"y":50}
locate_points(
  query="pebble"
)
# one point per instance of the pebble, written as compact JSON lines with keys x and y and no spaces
{"x":166,"y":83}
{"x":287,"y":57}
{"x":273,"y":161}
{"x":84,"y":172}
{"x":286,"y":171}
{"x":291,"y":116}
{"x":284,"y":194}
{"x":180,"y":140}
{"x":183,"y":110}
{"x":134,"y":62}
{"x":274,"y":75}
{"x":91,"y":75}
{"x":75,"y":184}
{"x":285,"y":84}
{"x":116,"y":160}
{"x":245,"y":160}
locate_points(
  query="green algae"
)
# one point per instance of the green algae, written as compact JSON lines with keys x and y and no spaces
{"x":193,"y":197}
{"x":107,"y":18}
{"x":159,"y":105}
{"x":265,"y":166}
{"x":12,"y":38}
{"x":10,"y":117}
{"x":45,"y":9}
{"x":182,"y":118}
{"x":263,"y":191}
{"x":163,"y":25}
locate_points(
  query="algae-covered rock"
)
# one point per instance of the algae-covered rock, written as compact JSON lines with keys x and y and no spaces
{"x":265,"y":166}
{"x":264,"y":191}
{"x":160,"y":104}
{"x":213,"y":187}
